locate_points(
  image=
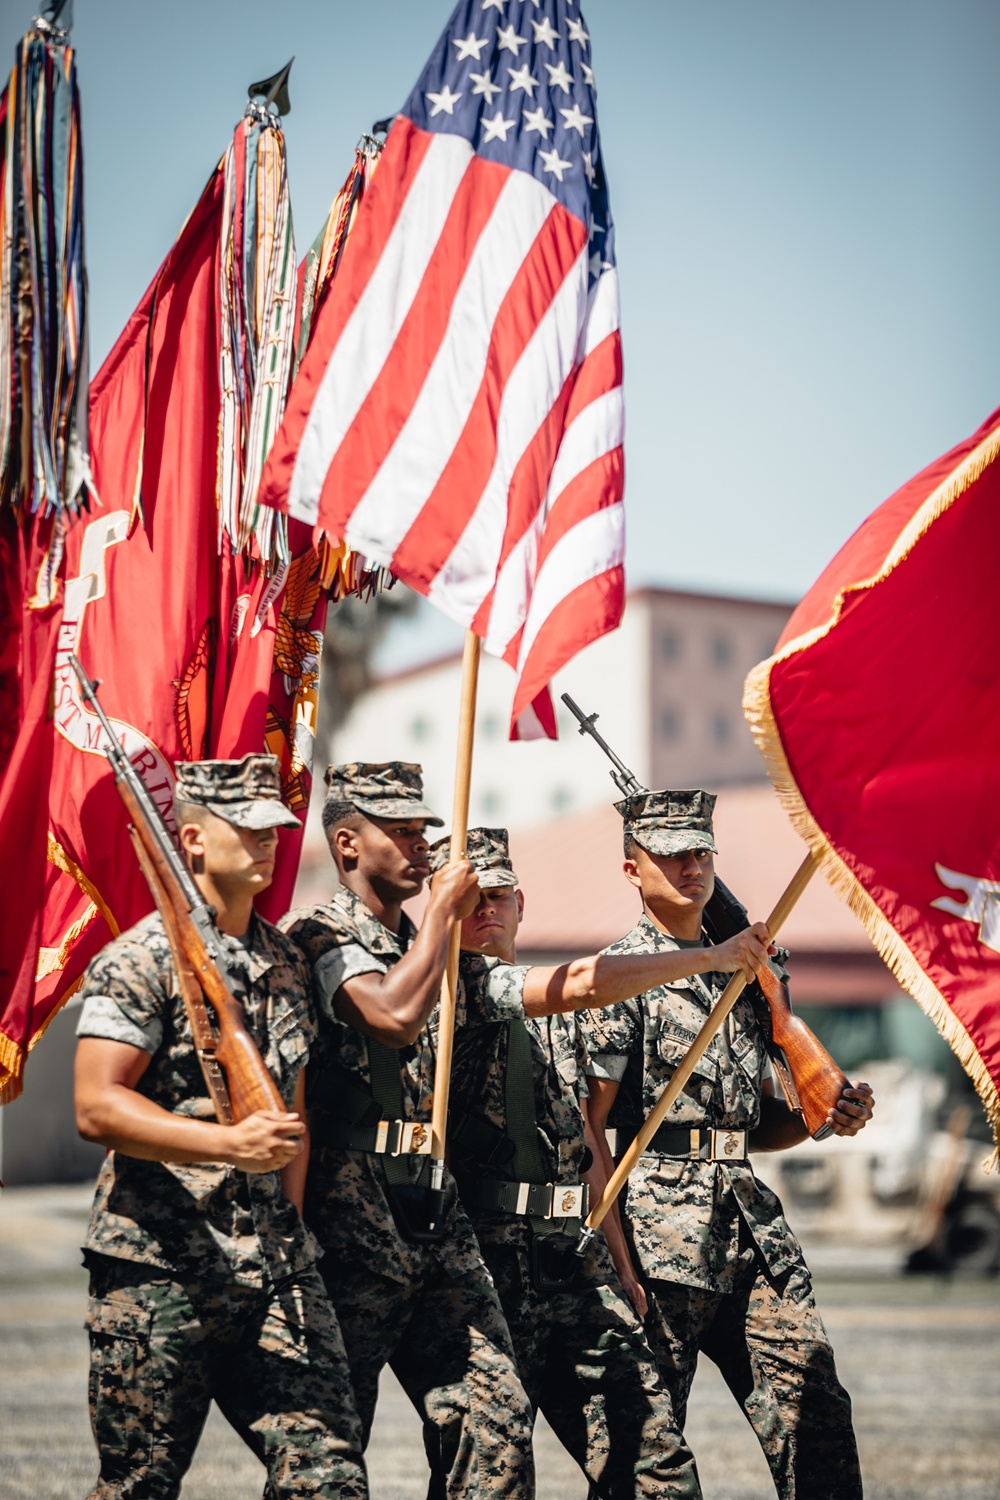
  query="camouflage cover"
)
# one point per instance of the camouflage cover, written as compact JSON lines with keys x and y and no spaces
{"x":203,"y":1221}
{"x":246,"y":792}
{"x":489,"y":851}
{"x":670,"y":822}
{"x":386,"y":789}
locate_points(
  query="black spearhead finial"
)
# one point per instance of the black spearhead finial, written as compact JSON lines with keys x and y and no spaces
{"x":274,"y":90}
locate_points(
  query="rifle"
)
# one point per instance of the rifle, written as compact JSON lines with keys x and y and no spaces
{"x":238,"y":1082}
{"x":810,"y":1080}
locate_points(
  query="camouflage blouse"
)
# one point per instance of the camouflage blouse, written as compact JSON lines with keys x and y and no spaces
{"x":685,"y":1216}
{"x":346,"y":1201}
{"x":479,"y":1089}
{"x":203,"y":1219}
{"x":560,"y":1061}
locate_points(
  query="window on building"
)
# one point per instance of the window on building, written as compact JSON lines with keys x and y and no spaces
{"x":671,"y":644}
{"x":720,"y":649}
{"x":670,"y":723}
{"x":421,"y":728}
{"x":490,"y":726}
{"x":560,"y":798}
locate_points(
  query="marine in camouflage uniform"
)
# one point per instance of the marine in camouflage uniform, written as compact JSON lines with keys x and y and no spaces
{"x":581,"y":1350}
{"x":428,"y":1308}
{"x":203,"y":1283}
{"x":725,"y":1274}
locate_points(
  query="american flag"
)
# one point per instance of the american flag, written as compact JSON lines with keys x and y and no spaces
{"x":459,"y":414}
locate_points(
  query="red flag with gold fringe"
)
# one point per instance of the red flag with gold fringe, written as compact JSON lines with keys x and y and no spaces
{"x":879,"y":719}
{"x":202,"y":614}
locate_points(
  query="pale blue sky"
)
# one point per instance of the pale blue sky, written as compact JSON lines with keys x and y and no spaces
{"x":807,"y":220}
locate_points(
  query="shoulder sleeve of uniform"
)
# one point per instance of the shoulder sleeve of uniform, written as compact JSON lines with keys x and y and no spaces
{"x":492,"y":990}
{"x":102,"y":1017}
{"x":124,"y":994}
{"x":315,"y":931}
{"x":612,"y":1031}
{"x":336,"y":966}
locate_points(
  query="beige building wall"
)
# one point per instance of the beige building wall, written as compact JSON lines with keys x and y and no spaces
{"x":667,"y":687}
{"x":701,"y":648}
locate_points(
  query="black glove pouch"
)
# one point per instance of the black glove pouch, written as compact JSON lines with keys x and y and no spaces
{"x":554,"y":1265}
{"x":418,"y":1212}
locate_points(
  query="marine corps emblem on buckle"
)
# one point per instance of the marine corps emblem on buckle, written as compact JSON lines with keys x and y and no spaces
{"x":569,"y":1204}
{"x":415,"y":1139}
{"x":729,"y":1143}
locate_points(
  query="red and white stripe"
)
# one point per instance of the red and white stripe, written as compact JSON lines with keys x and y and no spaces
{"x":458,"y":416}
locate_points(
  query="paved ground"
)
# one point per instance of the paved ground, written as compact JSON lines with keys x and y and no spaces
{"x":920,"y":1357}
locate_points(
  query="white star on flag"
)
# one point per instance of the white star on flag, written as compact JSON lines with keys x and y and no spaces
{"x":537,"y":120}
{"x":497,"y":128}
{"x":508,"y":39}
{"x":546,"y":32}
{"x":520,"y":78}
{"x":553,"y":163}
{"x":486,"y":5}
{"x":588,"y":74}
{"x":445,"y":101}
{"x":588,"y":167}
{"x":483,"y":84}
{"x":470,"y":46}
{"x":576,"y":119}
{"x":558,"y":77}
{"x":577,"y":33}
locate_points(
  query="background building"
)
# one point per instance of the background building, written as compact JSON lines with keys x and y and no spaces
{"x":668,"y":686}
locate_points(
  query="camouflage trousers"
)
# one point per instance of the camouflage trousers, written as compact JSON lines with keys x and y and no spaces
{"x":584,"y":1361}
{"x":161,"y":1351}
{"x":447,"y":1343}
{"x":768,"y":1340}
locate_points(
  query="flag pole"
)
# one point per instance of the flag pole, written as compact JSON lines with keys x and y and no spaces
{"x":459,"y":833}
{"x":712,"y":1024}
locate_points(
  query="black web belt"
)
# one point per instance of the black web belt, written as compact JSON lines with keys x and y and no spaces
{"x":693,"y":1145}
{"x":387,"y":1138}
{"x":541,"y":1200}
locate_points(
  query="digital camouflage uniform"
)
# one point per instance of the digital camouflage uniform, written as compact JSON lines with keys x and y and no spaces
{"x":727,"y":1275}
{"x":429,"y":1310}
{"x":581,"y":1352}
{"x":203,"y":1278}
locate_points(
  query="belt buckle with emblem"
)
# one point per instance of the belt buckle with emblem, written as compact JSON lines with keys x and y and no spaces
{"x":567,"y":1202}
{"x":727,"y":1144}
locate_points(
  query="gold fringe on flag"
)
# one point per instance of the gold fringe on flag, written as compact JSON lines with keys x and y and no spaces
{"x":759,"y":715}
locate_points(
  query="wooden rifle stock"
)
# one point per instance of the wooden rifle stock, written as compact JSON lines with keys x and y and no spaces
{"x":192,"y":935}
{"x":249,"y":1084}
{"x":816,"y":1081}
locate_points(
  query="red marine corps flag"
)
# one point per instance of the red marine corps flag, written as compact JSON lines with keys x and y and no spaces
{"x":879,"y":719}
{"x":458,"y":416}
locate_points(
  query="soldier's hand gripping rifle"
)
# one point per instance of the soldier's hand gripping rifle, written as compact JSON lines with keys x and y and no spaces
{"x":810,"y":1079}
{"x":238,"y":1082}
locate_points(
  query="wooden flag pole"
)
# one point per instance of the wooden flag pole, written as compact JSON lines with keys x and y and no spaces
{"x":713,"y":1022}
{"x":459,"y":834}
